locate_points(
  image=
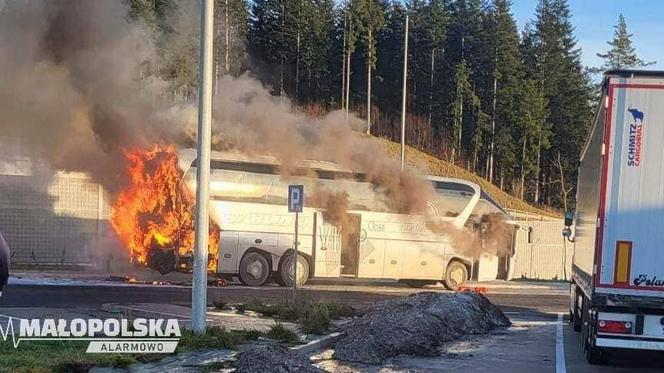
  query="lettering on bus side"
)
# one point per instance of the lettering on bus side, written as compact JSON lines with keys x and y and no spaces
{"x":376,"y":227}
{"x":412,"y":228}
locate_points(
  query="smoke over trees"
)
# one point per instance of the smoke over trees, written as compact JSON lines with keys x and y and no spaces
{"x":471,"y":76}
{"x":472,"y":79}
{"x":87,"y":82}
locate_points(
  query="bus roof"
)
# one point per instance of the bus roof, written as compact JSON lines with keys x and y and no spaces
{"x":187,"y":157}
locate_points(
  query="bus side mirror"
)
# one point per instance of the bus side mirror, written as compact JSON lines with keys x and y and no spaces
{"x":569,"y":218}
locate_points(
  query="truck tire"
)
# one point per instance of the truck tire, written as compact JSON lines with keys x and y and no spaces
{"x":286,"y":270}
{"x":575,"y":318}
{"x":456,"y":275}
{"x":254,"y":269}
{"x":594,"y":355}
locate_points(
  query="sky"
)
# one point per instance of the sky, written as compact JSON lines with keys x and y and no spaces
{"x":594,"y":21}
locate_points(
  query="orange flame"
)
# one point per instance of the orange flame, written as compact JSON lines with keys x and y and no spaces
{"x":155,"y":212}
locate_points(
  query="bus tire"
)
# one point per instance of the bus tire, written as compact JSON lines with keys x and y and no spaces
{"x":456,"y":275}
{"x":286,"y":267}
{"x":254,"y":269}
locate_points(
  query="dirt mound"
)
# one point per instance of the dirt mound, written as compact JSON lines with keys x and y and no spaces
{"x":272,"y":358}
{"x":416,"y":325}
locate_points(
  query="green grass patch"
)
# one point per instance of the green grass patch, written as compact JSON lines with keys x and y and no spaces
{"x":56,"y":356}
{"x":285,"y":311}
{"x":215,"y":338}
{"x":70,"y":356}
{"x":315,"y":317}
{"x":282,"y":333}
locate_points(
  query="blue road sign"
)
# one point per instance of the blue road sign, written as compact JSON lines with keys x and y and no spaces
{"x":295,"y":198}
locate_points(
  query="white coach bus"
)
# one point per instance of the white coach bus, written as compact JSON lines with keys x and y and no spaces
{"x":248,"y":199}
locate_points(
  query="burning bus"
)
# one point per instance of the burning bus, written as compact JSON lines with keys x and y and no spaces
{"x":347,"y":228}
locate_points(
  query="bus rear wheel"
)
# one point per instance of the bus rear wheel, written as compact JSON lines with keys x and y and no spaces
{"x":254,"y":269}
{"x":286,"y":270}
{"x":456,"y":275}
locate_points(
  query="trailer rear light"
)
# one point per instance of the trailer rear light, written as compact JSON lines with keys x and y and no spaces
{"x":612,"y":326}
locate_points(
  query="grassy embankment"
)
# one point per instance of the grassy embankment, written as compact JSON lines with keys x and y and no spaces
{"x":430,"y":165}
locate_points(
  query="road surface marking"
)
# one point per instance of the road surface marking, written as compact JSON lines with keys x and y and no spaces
{"x":560,"y":346}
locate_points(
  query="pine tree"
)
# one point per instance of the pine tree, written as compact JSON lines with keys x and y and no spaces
{"x":566,"y":86}
{"x":372,"y":20}
{"x":507,"y":75}
{"x":390,"y":61}
{"x":467,"y":42}
{"x":353,"y":32}
{"x":533,"y":131}
{"x":622,"y":54}
{"x":265,"y":42}
{"x":321,"y":58}
{"x":465,"y":107}
{"x":231,"y":28}
{"x":436,"y":19}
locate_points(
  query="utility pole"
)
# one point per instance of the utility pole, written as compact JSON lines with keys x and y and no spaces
{"x":343,"y":66}
{"x":370,"y":63}
{"x":348,"y":54}
{"x":403,"y":99}
{"x":199,"y":287}
{"x":493,"y":117}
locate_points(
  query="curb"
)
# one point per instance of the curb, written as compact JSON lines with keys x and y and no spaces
{"x":317,"y":344}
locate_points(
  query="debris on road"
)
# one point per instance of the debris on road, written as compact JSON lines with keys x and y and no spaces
{"x":416,"y":325}
{"x":131,"y":279}
{"x":273,"y":358}
{"x":470,"y":289}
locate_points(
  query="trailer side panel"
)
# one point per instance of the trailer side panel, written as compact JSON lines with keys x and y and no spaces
{"x":631,"y":229}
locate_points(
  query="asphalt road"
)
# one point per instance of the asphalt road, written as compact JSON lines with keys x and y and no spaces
{"x":538,"y":340}
{"x":23,"y":296}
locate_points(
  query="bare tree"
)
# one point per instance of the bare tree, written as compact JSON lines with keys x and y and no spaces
{"x":564,"y":189}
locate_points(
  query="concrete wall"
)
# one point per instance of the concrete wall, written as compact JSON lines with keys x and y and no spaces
{"x":52,"y":218}
{"x":541,"y":252}
{"x":59,"y":224}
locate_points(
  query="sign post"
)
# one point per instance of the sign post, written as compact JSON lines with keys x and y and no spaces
{"x":295,"y":204}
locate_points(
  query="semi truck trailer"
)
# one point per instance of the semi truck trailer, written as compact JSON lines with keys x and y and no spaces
{"x":617,"y":229}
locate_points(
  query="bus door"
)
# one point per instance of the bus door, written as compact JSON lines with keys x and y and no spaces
{"x":349,"y":233}
{"x":337,"y":247}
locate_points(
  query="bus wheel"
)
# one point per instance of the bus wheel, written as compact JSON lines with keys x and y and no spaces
{"x":254,"y":269}
{"x":286,"y":270}
{"x":456,"y":275}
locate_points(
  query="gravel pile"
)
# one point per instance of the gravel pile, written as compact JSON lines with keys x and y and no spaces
{"x":416,"y":325}
{"x":272,"y":358}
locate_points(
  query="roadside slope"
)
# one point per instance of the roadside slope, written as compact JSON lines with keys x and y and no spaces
{"x":430,"y":165}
